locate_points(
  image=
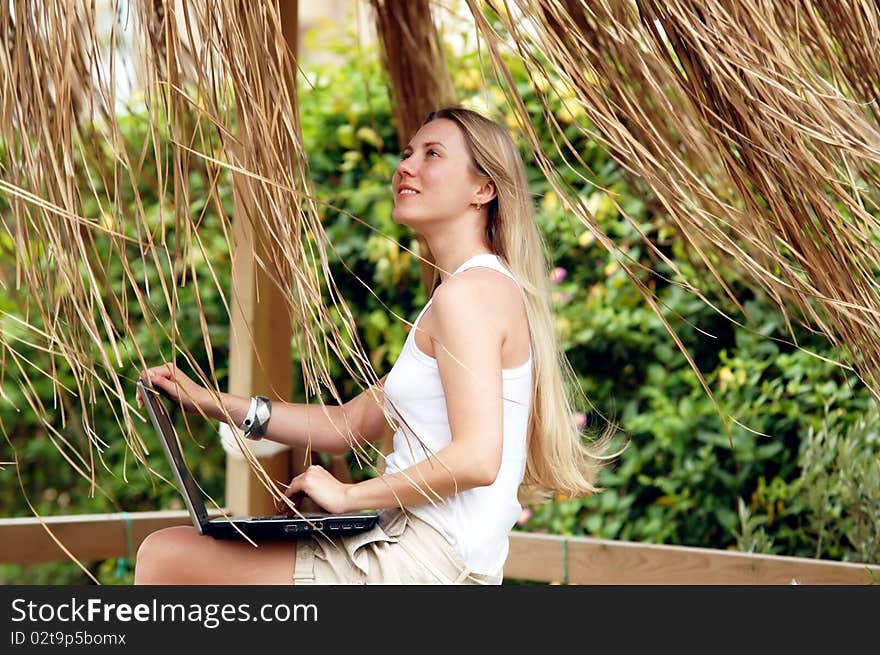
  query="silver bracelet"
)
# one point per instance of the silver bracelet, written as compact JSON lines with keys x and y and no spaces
{"x":257,"y":418}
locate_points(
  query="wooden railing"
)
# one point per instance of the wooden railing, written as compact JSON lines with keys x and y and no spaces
{"x":533,"y":557}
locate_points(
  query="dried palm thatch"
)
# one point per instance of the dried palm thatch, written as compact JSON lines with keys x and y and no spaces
{"x":754,"y":123}
{"x":220,"y":80}
{"x":750,"y":129}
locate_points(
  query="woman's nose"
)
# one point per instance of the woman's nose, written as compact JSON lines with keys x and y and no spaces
{"x":406,"y":166}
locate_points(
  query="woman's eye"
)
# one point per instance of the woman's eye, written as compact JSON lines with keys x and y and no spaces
{"x":433,"y":152}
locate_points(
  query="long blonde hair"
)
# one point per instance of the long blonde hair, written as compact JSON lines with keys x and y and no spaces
{"x":562,"y":458}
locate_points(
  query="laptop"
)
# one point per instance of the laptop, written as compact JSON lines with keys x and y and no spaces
{"x":278,"y":526}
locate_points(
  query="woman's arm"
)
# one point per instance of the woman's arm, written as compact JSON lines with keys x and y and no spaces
{"x":468,"y":337}
{"x":329,"y":429}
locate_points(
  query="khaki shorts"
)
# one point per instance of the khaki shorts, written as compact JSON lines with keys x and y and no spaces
{"x":400,"y":549}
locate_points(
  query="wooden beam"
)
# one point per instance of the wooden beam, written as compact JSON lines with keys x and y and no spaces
{"x":545,"y":558}
{"x":260,"y":358}
{"x":87,"y":536}
{"x":534,"y":557}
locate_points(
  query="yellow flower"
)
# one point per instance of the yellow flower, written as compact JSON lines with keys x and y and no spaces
{"x":725,"y":377}
{"x":541,"y":82}
{"x":563,"y":89}
{"x":586,"y":238}
{"x":607,"y":209}
{"x":611,"y":268}
{"x":497,"y":95}
{"x":594,"y":201}
{"x":469,"y":80}
{"x":570,"y":111}
{"x":351,"y":158}
{"x":477,"y":103}
{"x":369,"y":135}
{"x":108,"y":221}
{"x":563,"y":327}
{"x":564,"y":115}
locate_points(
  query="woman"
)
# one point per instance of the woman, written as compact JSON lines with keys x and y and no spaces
{"x":479,"y":393}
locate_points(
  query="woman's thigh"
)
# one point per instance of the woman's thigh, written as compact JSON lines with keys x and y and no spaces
{"x":180,"y":555}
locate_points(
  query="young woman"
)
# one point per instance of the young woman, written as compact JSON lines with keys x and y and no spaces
{"x":480,"y":395}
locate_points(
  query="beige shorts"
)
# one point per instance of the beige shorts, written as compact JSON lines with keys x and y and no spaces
{"x":400,"y":549}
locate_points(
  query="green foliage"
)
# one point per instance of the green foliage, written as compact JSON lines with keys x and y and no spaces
{"x":763,"y":474}
{"x":840,"y":486}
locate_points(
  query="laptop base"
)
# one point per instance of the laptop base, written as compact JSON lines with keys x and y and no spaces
{"x":288,"y":527}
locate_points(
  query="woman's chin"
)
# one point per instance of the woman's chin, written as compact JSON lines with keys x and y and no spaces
{"x":399,"y":217}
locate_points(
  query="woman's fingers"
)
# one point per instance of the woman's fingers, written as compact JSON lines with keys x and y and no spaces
{"x":165,"y":378}
{"x":177,"y":387}
{"x":294,"y":486}
{"x":162,"y":378}
{"x":150,"y":375}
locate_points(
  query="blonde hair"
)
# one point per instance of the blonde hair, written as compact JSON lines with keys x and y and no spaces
{"x":562,"y":458}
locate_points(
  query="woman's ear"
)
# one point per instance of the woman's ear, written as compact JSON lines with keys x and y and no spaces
{"x":485,"y":192}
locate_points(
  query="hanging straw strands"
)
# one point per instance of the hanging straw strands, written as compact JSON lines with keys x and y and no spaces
{"x":754,"y":123}
{"x":220,"y":97}
{"x":48,"y":88}
{"x":842,"y":40}
{"x":720,"y":108}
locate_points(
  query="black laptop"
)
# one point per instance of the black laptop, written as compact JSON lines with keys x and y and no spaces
{"x":279,"y":526}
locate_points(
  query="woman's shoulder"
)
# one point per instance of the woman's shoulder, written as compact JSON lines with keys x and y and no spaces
{"x":479,"y":305}
{"x":478,"y":293}
{"x":477,"y":283}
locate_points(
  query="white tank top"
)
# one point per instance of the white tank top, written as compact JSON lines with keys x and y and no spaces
{"x":476,"y":522}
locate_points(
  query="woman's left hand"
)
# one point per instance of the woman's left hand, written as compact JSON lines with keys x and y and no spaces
{"x":318,"y":483}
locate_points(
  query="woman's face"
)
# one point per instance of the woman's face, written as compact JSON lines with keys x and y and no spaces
{"x":435,"y":179}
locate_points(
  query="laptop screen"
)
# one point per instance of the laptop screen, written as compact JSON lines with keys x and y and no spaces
{"x":192,"y":495}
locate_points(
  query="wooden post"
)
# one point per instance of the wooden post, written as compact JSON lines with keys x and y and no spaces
{"x":260,"y":358}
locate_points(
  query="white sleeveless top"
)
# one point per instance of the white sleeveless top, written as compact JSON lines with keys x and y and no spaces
{"x":476,"y":522}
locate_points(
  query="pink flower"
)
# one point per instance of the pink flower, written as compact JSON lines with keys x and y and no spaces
{"x":558,"y":297}
{"x":558,"y":275}
{"x":580,"y":419}
{"x":524,"y":516}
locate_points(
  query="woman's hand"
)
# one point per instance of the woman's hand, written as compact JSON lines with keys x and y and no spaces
{"x":179,"y":388}
{"x":319,"y":484}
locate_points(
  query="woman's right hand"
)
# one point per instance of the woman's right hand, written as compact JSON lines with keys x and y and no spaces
{"x":179,"y":388}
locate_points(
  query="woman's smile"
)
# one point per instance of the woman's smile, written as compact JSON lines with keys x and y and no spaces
{"x":406,"y":190}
